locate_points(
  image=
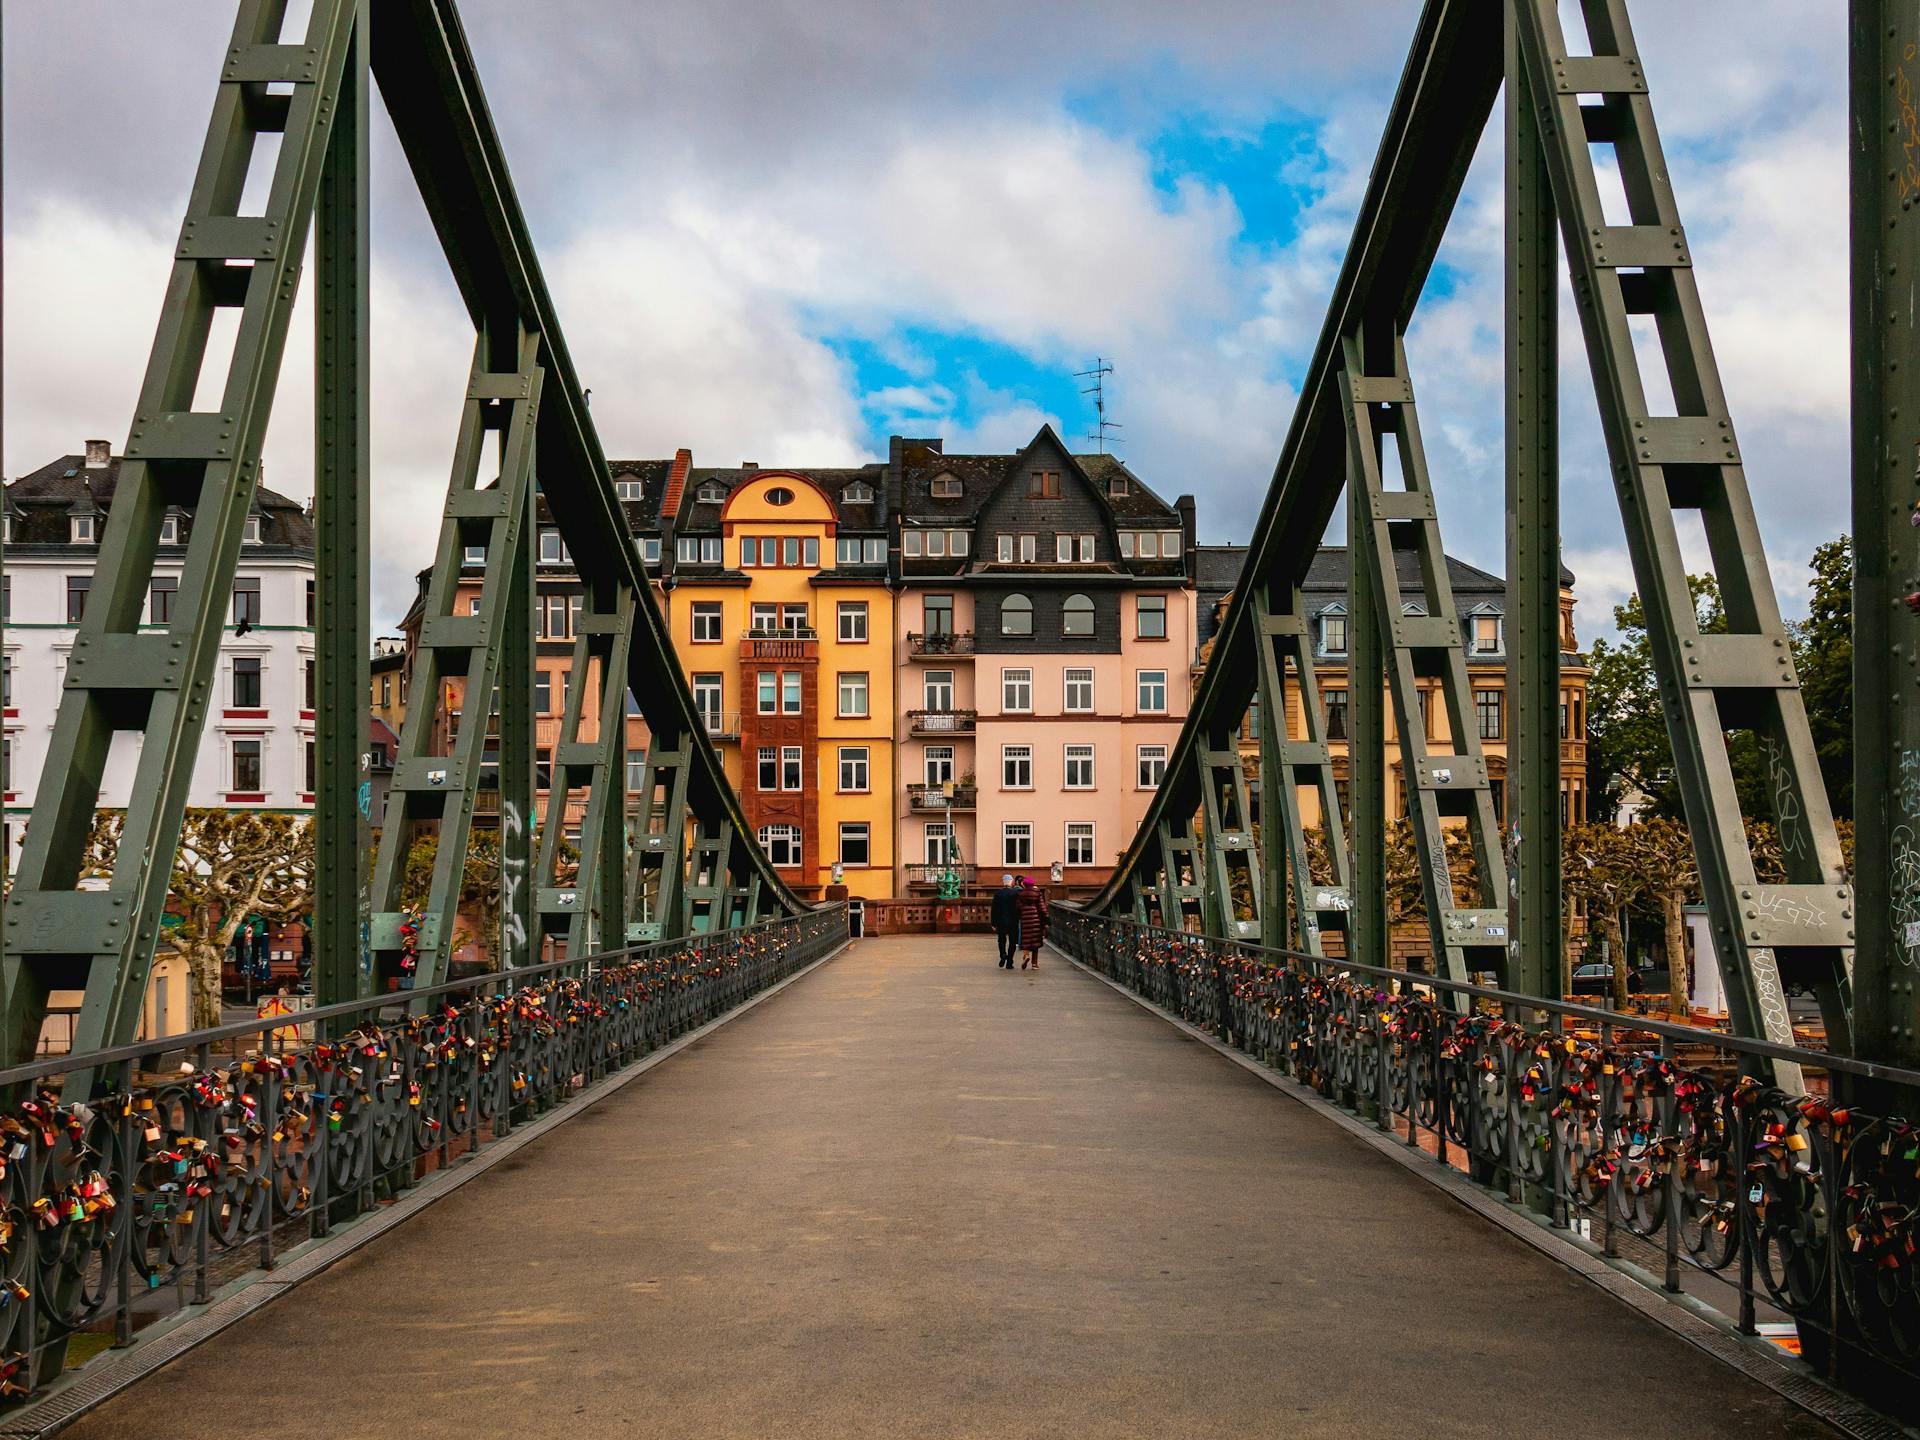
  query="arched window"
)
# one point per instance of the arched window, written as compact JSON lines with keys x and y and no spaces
{"x":1016,"y":615}
{"x":1076,"y":616}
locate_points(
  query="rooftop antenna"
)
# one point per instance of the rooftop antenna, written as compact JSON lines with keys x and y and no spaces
{"x":1098,"y":374}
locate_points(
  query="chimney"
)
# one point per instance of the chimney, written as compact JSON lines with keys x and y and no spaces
{"x":99,"y":454}
{"x":1190,"y":528}
{"x":676,"y":482}
{"x":749,"y":464}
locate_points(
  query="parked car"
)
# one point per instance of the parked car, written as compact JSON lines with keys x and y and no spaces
{"x":1597,"y":979}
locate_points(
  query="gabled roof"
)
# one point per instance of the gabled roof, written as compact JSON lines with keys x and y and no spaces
{"x":981,"y":475}
{"x":42,"y":499}
{"x":870,"y":516}
{"x":644,"y":513}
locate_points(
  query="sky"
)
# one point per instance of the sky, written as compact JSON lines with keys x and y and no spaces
{"x":782,"y":231}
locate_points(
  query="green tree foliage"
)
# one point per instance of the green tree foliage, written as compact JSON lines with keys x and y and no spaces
{"x":1823,"y":652}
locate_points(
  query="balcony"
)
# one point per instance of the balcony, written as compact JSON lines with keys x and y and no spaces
{"x":950,"y":796}
{"x":940,"y":722}
{"x":722,"y":724}
{"x":934,"y":874}
{"x":798,"y":643}
{"x":944,"y":645}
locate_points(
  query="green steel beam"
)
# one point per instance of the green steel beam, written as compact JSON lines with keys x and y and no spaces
{"x":1536,"y":936}
{"x":156,"y":684}
{"x":515,"y":749}
{"x":1369,"y":939}
{"x":342,"y":630}
{"x":1227,"y":848}
{"x":657,"y":864}
{"x":1886,"y":498}
{"x":1673,"y":449}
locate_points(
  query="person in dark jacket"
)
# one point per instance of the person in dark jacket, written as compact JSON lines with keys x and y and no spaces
{"x":1033,"y":921}
{"x":1006,"y":919}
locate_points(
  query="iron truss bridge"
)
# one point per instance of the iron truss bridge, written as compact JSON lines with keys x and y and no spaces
{"x":1790,"y":1170}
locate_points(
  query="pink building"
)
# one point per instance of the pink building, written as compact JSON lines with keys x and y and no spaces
{"x":1046,"y":624}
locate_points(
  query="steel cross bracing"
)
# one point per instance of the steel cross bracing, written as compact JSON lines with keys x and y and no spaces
{"x":154,"y":685}
{"x":1672,"y":451}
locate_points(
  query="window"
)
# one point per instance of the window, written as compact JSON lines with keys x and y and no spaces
{"x":1016,"y":844}
{"x":1126,"y":544}
{"x":790,"y":551}
{"x":649,"y":549}
{"x":910,"y":544}
{"x":6,"y":682}
{"x":706,"y":622}
{"x":1150,"y":617}
{"x":1486,"y":706}
{"x":1333,"y":633}
{"x":1079,"y":767}
{"x":791,"y":773}
{"x":858,"y":493}
{"x":170,"y":530}
{"x":80,"y":529}
{"x":1004,"y":549}
{"x":853,"y":693}
{"x":790,"y":692}
{"x":1016,"y":767}
{"x":246,"y":600}
{"x":1044,"y":485}
{"x":749,"y":552}
{"x":1063,"y":549}
{"x":939,"y":764}
{"x":251,"y":535}
{"x":769,"y":769}
{"x":555,"y":614}
{"x":1486,"y":634}
{"x":1086,"y":549}
{"x":779,"y":495}
{"x":552,"y":552}
{"x":937,"y":613}
{"x":854,"y":847}
{"x":810,"y":551}
{"x":939,"y":842}
{"x":1078,"y":698}
{"x":386,"y":690}
{"x":711,"y":492}
{"x":793,"y":618}
{"x":636,"y":771}
{"x":707,"y":694}
{"x":762,"y":618}
{"x":1334,"y":703}
{"x":846,"y":551}
{"x":627,"y":487}
{"x":1151,"y":764}
{"x":1029,"y":549}
{"x":1076,"y":616}
{"x":853,"y":622}
{"x":769,"y":550}
{"x":1079,"y":842}
{"x":946,"y":487}
{"x":873,"y":552}
{"x":308,"y":690}
{"x":543,"y":692}
{"x":1147,"y":545}
{"x":782,"y":844}
{"x":769,"y":692}
{"x":1016,"y":615}
{"x":473,"y":555}
{"x":938,"y":691}
{"x":1153,"y":691}
{"x":853,"y":768}
{"x":77,"y":587}
{"x":246,"y":766}
{"x":687,"y":550}
{"x":1016,"y":690}
{"x":936,"y":544}
{"x":957,"y":543}
{"x":1169,"y":544}
{"x":1565,"y":733}
{"x":313,"y":604}
{"x":160,"y":597}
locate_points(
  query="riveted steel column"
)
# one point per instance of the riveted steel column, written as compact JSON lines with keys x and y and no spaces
{"x":519,"y":895}
{"x":1886,"y":495}
{"x":1536,"y":939}
{"x":1368,"y":942}
{"x":342,"y":961}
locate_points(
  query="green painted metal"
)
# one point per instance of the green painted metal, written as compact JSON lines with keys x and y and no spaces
{"x":1886,"y":497}
{"x":156,"y":684}
{"x":343,"y":565}
{"x":1227,"y":847}
{"x":1536,"y":941}
{"x":1683,"y":456}
{"x":519,"y":894}
{"x":436,"y":775}
{"x":656,"y":874}
{"x":1421,"y":639}
{"x":1369,"y":938}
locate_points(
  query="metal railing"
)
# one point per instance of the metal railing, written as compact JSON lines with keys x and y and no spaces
{"x":203,"y":1159}
{"x":1653,"y":1138}
{"x":939,"y":644}
{"x":942,"y":722}
{"x":936,"y":874}
{"x":721,"y":724}
{"x":942,"y":797}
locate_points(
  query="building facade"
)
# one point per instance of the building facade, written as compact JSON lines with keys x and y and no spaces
{"x":1045,"y":624}
{"x":259,"y":750}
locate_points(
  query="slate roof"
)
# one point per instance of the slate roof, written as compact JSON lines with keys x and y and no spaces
{"x":981,"y":475}
{"x":643,"y":514}
{"x":870,"y":517}
{"x":42,"y":499}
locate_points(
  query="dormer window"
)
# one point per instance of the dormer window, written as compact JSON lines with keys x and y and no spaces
{"x":170,"y":530}
{"x":712,"y":492}
{"x":1333,"y":632}
{"x":1116,"y":485}
{"x":82,"y":529}
{"x":1044,"y":485}
{"x":858,"y":493}
{"x":627,"y":487}
{"x":252,"y":533}
{"x":946,"y":487}
{"x":1486,"y":634}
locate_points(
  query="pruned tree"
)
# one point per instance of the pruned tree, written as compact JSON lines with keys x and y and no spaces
{"x":1598,"y":871}
{"x":1662,"y":853}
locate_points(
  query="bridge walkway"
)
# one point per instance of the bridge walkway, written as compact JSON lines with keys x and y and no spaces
{"x":915,"y":1195}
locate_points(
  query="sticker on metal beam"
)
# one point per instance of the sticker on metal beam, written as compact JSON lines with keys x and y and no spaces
{"x":428,"y":774}
{"x":1598,"y":75}
{"x":1332,"y":899}
{"x":228,"y":237}
{"x":1381,"y":389}
{"x":272,"y":64}
{"x":1787,"y":916}
{"x":182,"y":435}
{"x":1475,"y":926}
{"x":1452,"y":772}
{"x":559,"y":902}
{"x":1685,"y":440}
{"x":1738,"y":662}
{"x":1639,"y":247}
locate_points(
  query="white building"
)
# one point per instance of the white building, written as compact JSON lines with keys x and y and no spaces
{"x":257,"y":750}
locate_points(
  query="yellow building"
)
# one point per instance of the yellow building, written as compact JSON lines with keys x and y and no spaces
{"x":779,"y":609}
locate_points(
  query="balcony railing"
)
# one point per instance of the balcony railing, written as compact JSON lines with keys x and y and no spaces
{"x":936,"y":874}
{"x":778,"y":645}
{"x":722,"y":724}
{"x":941,"y":722}
{"x":941,"y":645}
{"x":950,"y":796}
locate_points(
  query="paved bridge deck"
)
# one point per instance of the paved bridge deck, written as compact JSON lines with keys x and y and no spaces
{"x":915,"y":1195}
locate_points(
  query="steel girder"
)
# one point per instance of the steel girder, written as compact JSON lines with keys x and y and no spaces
{"x":155,"y":685}
{"x":1686,"y":460}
